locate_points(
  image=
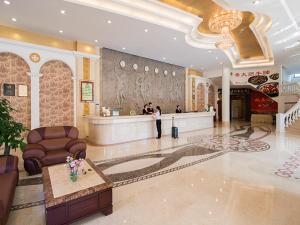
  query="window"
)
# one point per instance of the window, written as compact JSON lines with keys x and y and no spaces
{"x":297,"y":75}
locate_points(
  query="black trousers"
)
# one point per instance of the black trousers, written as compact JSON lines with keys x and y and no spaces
{"x":158,"y":127}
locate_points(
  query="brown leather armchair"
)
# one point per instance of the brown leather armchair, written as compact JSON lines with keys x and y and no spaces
{"x":9,"y":176}
{"x":51,"y":145}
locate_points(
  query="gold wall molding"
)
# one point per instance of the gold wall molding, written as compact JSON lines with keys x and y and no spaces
{"x":44,"y":40}
{"x":194,"y":72}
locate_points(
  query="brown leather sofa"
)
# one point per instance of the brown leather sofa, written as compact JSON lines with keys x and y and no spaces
{"x":9,"y":176}
{"x":51,"y":145}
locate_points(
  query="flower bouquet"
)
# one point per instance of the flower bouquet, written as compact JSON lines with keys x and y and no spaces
{"x":73,"y":165}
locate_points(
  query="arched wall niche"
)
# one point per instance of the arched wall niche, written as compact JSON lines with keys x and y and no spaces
{"x":200,"y":97}
{"x":15,"y":70}
{"x":211,"y":96}
{"x":56,"y":94}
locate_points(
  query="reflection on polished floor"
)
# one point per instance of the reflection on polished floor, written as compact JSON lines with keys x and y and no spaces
{"x":243,"y":175}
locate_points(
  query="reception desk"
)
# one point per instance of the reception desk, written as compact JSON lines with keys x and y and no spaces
{"x":119,"y":129}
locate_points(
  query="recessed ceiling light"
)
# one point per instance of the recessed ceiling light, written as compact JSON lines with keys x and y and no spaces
{"x":96,"y":41}
{"x":174,"y":38}
{"x":217,"y":58}
{"x":109,"y":21}
{"x":61,"y":31}
{"x":63,"y":11}
{"x":164,"y":58}
{"x":14,"y":19}
{"x":124,"y":48}
{"x":209,"y":51}
{"x":146,"y":30}
{"x":256,"y":2}
{"x":6,"y":2}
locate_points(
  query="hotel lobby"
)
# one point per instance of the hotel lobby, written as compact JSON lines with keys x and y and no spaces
{"x":149,"y":112}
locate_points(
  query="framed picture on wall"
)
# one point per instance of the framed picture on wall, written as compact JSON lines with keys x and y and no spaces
{"x":87,"y":91}
{"x":9,"y":89}
{"x":22,"y":90}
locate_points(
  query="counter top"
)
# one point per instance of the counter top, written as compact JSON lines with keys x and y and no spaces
{"x":127,"y":119}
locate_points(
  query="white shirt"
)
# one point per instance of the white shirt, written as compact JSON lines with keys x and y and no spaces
{"x":157,"y":115}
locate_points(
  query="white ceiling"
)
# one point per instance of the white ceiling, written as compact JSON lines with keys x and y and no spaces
{"x":87,"y":24}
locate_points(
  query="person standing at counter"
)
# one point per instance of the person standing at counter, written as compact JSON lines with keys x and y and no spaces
{"x":150,"y":108}
{"x":157,"y":116}
{"x":145,"y":110}
{"x":178,"y":109}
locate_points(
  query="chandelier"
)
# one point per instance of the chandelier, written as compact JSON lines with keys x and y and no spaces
{"x":223,"y":22}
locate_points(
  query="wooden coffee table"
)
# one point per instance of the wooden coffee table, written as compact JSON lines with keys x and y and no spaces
{"x":67,"y":201}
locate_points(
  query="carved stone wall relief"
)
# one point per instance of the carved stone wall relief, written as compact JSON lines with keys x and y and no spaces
{"x":132,"y":86}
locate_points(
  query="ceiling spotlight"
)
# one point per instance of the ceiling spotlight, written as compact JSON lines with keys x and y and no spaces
{"x":209,"y":51}
{"x":164,"y":58}
{"x":109,"y":21}
{"x":63,"y":12}
{"x":217,"y":58}
{"x":61,"y":31}
{"x":6,"y":2}
{"x":174,"y":38}
{"x":256,"y":2}
{"x":14,"y":19}
{"x":146,"y":30}
{"x":124,"y":48}
{"x":96,"y":41}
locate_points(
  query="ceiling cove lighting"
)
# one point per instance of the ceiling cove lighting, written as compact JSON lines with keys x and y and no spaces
{"x":222,"y":23}
{"x":6,"y":2}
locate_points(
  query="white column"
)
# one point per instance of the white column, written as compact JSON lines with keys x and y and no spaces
{"x":226,"y":96}
{"x":35,"y":100}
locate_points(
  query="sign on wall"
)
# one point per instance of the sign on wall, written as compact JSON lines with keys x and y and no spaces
{"x":264,"y":80}
{"x":87,"y":91}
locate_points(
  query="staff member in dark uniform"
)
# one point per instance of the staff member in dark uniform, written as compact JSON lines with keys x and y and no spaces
{"x":178,"y":109}
{"x":150,"y":109}
{"x":145,"y":110}
{"x":157,"y":116}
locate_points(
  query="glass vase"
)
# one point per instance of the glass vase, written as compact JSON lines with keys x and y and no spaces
{"x":73,"y":176}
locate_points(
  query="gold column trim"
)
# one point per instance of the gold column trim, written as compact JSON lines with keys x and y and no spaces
{"x":86,"y":76}
{"x":243,"y":36}
{"x":40,"y":39}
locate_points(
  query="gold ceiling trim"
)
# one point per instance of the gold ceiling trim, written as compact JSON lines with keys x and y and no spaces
{"x":245,"y":39}
{"x":44,"y":40}
{"x":194,"y":72}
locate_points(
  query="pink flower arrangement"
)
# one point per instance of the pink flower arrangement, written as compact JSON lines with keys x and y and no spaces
{"x":73,"y":164}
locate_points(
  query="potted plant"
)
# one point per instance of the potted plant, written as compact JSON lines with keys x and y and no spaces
{"x":10,"y":130}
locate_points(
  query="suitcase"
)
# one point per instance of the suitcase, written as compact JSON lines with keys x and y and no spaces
{"x":174,"y":132}
{"x":174,"y":129}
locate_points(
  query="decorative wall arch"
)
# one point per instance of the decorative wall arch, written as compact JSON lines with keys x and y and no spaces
{"x":15,"y":70}
{"x":211,"y":96}
{"x":200,"y":97}
{"x":56,"y":94}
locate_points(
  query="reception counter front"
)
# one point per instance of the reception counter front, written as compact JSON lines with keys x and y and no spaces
{"x":119,"y":129}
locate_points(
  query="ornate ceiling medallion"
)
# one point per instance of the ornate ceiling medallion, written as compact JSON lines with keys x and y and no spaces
{"x":223,"y":22}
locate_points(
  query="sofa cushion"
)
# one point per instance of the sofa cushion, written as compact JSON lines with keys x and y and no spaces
{"x":55,"y":157}
{"x":7,"y":191}
{"x":54,"y":132}
{"x":55,"y":144}
{"x":8,"y":164}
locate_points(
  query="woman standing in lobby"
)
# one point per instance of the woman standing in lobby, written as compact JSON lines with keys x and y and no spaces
{"x":157,"y":116}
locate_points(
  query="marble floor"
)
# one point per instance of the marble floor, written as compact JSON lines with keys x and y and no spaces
{"x":242,"y":175}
